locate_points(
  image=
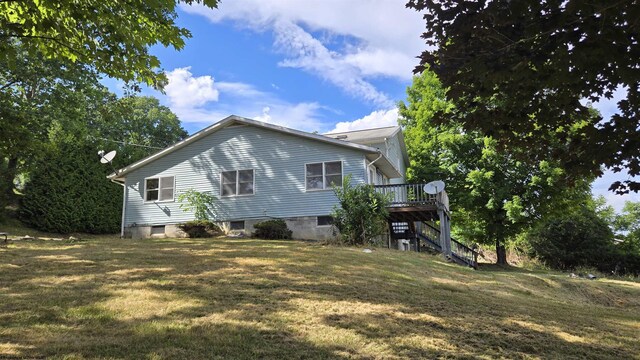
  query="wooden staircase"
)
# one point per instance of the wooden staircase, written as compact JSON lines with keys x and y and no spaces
{"x":410,"y":211}
{"x":421,"y":235}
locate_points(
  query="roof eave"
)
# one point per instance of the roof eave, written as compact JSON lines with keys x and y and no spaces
{"x":120,"y":174}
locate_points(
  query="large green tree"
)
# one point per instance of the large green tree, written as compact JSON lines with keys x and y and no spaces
{"x":493,"y":194}
{"x":67,"y":190}
{"x":135,"y":126}
{"x":111,"y":36}
{"x":35,"y":95}
{"x":522,"y":71}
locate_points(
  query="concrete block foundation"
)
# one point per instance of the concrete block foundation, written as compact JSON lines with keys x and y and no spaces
{"x":302,"y":228}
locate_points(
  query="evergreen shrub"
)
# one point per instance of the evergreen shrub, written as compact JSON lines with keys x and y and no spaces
{"x":272,"y":229}
{"x":68,"y":192}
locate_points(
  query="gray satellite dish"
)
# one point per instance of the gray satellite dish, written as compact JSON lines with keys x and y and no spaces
{"x":106,"y":158}
{"x":434,"y":187}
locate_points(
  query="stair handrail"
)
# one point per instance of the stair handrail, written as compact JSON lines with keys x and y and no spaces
{"x":467,"y":254}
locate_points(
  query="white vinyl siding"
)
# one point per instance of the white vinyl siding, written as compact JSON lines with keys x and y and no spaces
{"x":278,"y":162}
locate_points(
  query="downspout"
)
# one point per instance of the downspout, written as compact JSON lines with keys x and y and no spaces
{"x":373,"y":162}
{"x":124,"y":205}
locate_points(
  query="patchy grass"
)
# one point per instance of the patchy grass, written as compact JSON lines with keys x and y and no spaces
{"x":247,"y":299}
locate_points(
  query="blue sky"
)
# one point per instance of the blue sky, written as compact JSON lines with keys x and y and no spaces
{"x":310,"y":65}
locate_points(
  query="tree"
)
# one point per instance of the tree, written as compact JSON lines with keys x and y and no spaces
{"x":523,"y":71}
{"x":493,"y":194}
{"x":577,"y":238}
{"x":37,"y":94}
{"x":68,"y":191}
{"x":137,"y":127}
{"x":627,"y":226}
{"x":111,"y":36}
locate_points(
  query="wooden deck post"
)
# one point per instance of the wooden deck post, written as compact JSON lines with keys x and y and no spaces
{"x":445,"y":232}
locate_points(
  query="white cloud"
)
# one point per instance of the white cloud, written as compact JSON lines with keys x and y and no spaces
{"x":238,"y":89}
{"x":184,"y":90}
{"x":377,"y":119}
{"x":310,"y":54}
{"x":358,"y":41}
{"x":201,"y":100}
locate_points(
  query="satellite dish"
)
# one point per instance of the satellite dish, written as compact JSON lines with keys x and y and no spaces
{"x":106,"y":158}
{"x":434,"y":187}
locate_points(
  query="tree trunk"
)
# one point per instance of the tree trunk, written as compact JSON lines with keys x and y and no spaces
{"x":501,"y":253}
{"x":7,"y":179}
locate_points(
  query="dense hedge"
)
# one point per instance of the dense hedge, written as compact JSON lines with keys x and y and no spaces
{"x":68,"y":192}
{"x":272,"y":229}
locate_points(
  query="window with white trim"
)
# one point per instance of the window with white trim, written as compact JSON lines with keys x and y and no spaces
{"x":324,"y":175}
{"x":159,"y":188}
{"x":237,"y":182}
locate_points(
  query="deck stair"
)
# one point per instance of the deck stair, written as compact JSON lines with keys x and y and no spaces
{"x":460,"y":253}
{"x":412,"y":212}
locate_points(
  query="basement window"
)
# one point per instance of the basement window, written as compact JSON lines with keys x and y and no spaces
{"x":325,"y":220}
{"x":157,"y":230}
{"x":236,"y":225}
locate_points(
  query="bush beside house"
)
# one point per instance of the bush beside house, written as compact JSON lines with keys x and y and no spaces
{"x":272,"y":229}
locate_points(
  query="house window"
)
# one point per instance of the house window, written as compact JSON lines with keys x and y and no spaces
{"x":237,"y":182}
{"x":324,"y":175}
{"x":325,"y":220}
{"x":236,"y":225}
{"x":159,"y":189}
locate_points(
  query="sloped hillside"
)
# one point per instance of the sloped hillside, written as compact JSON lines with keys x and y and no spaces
{"x":247,"y":299}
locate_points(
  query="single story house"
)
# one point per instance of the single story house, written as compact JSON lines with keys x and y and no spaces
{"x":256,"y":171}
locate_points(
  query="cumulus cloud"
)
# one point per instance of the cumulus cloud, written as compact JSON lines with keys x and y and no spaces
{"x":384,"y":43}
{"x":184,"y":90}
{"x":198,"y":100}
{"x":377,"y":119}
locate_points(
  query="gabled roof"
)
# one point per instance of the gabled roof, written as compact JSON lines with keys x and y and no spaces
{"x":372,"y":153}
{"x":373,"y":136}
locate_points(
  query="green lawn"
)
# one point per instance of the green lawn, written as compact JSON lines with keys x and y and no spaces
{"x":248,"y":299}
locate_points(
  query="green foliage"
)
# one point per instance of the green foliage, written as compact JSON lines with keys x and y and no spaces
{"x":272,"y":229}
{"x":362,"y":213}
{"x":196,"y":201}
{"x":110,"y":36}
{"x":139,"y":120}
{"x":579,"y":238}
{"x":68,"y":192}
{"x":493,"y":194}
{"x":518,"y":71}
{"x":200,"y":228}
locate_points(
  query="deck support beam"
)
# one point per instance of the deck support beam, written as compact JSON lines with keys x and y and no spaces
{"x":445,"y":232}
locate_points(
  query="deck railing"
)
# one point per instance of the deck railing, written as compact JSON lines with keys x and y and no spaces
{"x":412,"y":195}
{"x":429,"y":233}
{"x":464,"y":253}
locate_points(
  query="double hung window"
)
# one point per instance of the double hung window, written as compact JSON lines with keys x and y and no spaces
{"x":324,"y":175}
{"x":159,"y":188}
{"x":237,"y":182}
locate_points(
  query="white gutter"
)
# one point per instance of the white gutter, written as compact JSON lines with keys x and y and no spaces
{"x":124,"y":205}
